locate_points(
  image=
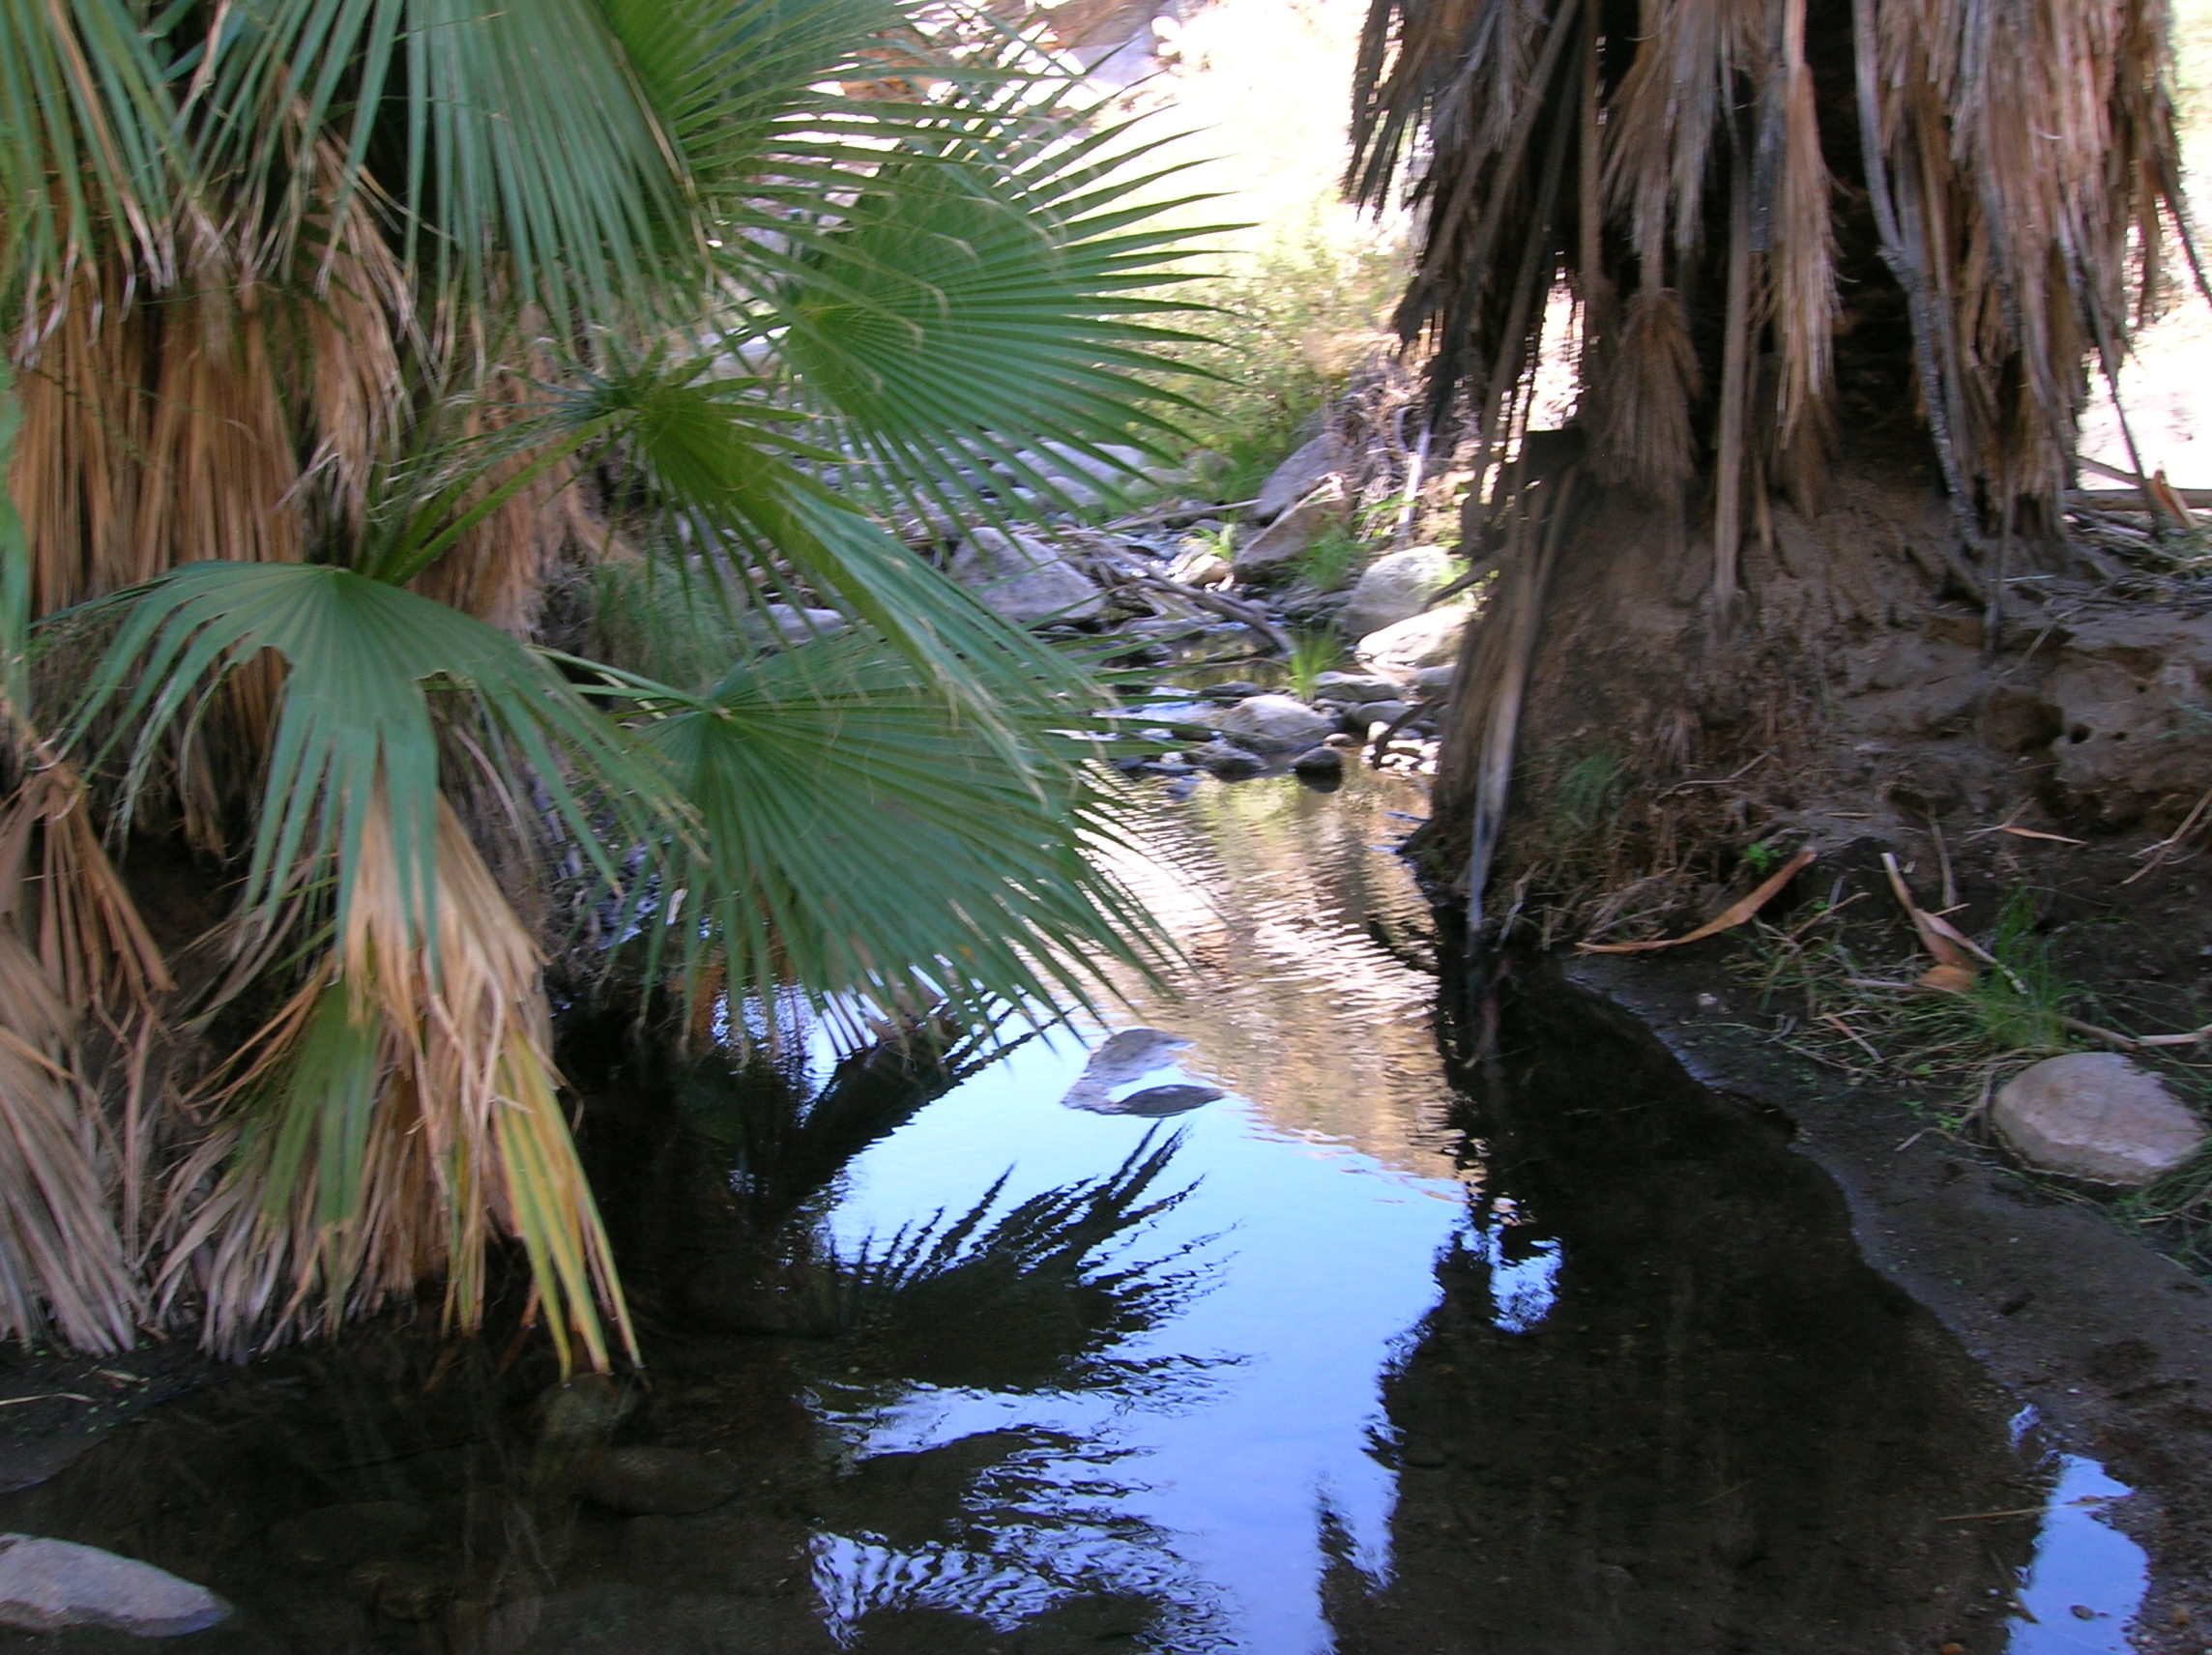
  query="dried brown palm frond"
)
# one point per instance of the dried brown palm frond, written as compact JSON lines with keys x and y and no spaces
{"x":1666,"y":115}
{"x":162,"y":424}
{"x":2020,"y":179}
{"x":500,"y":568}
{"x":89,"y":937}
{"x":1646,"y":438}
{"x":1800,"y":287}
{"x":62,"y":1261}
{"x":395,"y":1119}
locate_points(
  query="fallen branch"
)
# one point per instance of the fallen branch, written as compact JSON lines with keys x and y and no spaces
{"x":1231,"y":609}
{"x":1186,"y":509}
{"x":1726,"y":920}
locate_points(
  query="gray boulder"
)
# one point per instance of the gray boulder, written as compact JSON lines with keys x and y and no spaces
{"x":49,"y":1584}
{"x":660,"y":1482}
{"x":1429,"y":640}
{"x":1353,"y":689}
{"x":1397,"y":587}
{"x":1279,"y":724}
{"x":1433,"y":681}
{"x":1288,"y":539}
{"x":1022,"y":579}
{"x":2095,"y":1116}
{"x":1309,"y":466}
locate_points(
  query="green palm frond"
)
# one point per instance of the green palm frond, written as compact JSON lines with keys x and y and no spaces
{"x":855,"y":837}
{"x":363,"y":660}
{"x":87,"y":130}
{"x":986,"y":294}
{"x":728,"y":467}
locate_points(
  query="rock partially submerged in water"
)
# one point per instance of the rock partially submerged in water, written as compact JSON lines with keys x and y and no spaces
{"x":1319,"y":767}
{"x":2095,"y":1116}
{"x":49,"y":1584}
{"x":660,"y":1482}
{"x":1276,"y":724}
{"x":1125,"y":1057}
{"x":1156,"y":1103}
{"x":1227,"y":762}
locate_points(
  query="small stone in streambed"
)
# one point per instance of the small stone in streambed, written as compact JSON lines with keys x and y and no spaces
{"x":1156,"y":1103}
{"x":2096,"y":1116}
{"x":49,"y":1584}
{"x":1229,"y":763}
{"x":1342,"y":738}
{"x":660,"y":1482}
{"x":1323,"y":762}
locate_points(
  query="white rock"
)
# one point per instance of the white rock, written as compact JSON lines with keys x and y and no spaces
{"x":1025,"y":581}
{"x":1429,"y":640}
{"x":2094,"y":1115}
{"x":47,"y":1584}
{"x":1397,"y":587}
{"x":1308,"y":467}
{"x":1275,"y":724}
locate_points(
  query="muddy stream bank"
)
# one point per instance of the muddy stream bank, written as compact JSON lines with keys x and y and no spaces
{"x":1311,"y":1333}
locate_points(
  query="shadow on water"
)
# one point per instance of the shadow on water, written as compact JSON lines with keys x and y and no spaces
{"x":1379,"y":1350}
{"x":1661,"y":1403}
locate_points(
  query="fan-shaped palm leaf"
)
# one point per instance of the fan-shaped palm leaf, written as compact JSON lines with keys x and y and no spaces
{"x":355,"y":734}
{"x":856,"y":836}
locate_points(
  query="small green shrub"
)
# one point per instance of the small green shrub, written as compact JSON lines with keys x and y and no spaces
{"x":1330,"y":561}
{"x":1312,"y":653}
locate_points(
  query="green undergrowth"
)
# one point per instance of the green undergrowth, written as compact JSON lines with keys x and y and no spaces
{"x":1333,"y":561}
{"x":1312,"y":653}
{"x":1288,"y":324}
{"x":1852,"y":1004}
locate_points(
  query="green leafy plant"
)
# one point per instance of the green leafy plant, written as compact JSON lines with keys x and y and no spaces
{"x":1763,"y":857}
{"x":1312,"y":653}
{"x":1329,"y":563}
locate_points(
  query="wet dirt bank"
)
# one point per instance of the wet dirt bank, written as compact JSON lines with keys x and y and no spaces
{"x":2109,"y":1340}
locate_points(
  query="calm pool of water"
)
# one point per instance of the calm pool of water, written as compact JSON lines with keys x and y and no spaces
{"x":1397,"y":1351}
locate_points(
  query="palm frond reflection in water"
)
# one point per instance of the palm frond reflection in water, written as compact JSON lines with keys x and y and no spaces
{"x":1035,"y":1296}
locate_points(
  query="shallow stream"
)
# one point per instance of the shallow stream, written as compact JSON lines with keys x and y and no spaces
{"x":1382,"y":1348}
